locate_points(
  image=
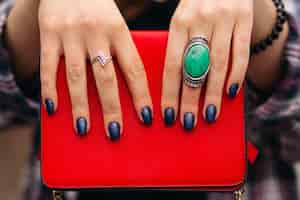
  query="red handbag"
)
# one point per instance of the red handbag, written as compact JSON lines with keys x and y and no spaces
{"x":211,"y":158}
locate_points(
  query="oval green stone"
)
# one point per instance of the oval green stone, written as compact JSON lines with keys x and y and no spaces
{"x":196,"y":61}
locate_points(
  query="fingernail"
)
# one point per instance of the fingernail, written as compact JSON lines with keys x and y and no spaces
{"x":147,"y":115}
{"x":49,"y":106}
{"x":81,"y":125}
{"x":210,"y":114}
{"x":233,"y":90}
{"x":188,"y":121}
{"x":169,"y":116}
{"x":114,"y":131}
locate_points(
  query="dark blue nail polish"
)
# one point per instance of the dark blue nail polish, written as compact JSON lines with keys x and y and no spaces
{"x":114,"y":131}
{"x":188,"y":121}
{"x":169,"y":115}
{"x":81,"y":125}
{"x":233,"y":90}
{"x":49,"y":106}
{"x":147,"y":115}
{"x":210,"y":113}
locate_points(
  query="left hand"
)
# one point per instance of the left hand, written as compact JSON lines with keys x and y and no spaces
{"x":227,"y":25}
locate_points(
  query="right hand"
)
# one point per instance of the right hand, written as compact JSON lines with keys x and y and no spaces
{"x":79,"y":30}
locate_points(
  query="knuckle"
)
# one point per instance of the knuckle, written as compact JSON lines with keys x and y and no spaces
{"x":79,"y":103}
{"x":206,"y":14}
{"x":189,"y":103}
{"x":50,"y":23}
{"x":69,"y":23}
{"x":245,"y":12}
{"x":113,"y":109}
{"x":172,"y":70}
{"x":217,"y":53}
{"x":244,"y":38}
{"x":213,"y":95}
{"x":134,"y":73}
{"x":244,"y":52}
{"x":107,"y":80}
{"x":181,"y":20}
{"x":75,"y":72}
{"x":45,"y":82}
{"x":118,"y":26}
{"x":220,"y":67}
{"x":225,"y":11}
{"x":89,"y":22}
{"x":48,"y":54}
{"x":220,"y":63}
{"x":45,"y":56}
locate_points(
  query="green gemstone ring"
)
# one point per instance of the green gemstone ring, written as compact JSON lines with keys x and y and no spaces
{"x":196,"y":62}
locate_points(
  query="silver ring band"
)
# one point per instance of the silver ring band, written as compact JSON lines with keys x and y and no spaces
{"x":187,"y":78}
{"x":101,"y":59}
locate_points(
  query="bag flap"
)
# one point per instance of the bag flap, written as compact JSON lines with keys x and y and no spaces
{"x":157,"y":157}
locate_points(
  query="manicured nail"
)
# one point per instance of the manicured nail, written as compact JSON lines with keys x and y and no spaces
{"x":49,"y":106}
{"x":114,"y":131}
{"x":81,"y":125}
{"x":147,"y":115}
{"x":233,"y":90}
{"x":169,"y":116}
{"x":188,"y":121}
{"x":210,"y":113}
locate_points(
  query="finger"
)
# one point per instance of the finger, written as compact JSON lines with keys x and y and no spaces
{"x":49,"y":58}
{"x":76,"y":77}
{"x":108,"y":90}
{"x":240,"y":55}
{"x":220,"y":50}
{"x":190,"y":96}
{"x":189,"y":107}
{"x":172,"y":75}
{"x":134,"y":72}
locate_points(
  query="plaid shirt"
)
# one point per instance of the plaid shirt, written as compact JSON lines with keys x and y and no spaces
{"x":273,"y":123}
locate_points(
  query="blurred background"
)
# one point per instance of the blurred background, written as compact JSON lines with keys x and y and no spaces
{"x":15,"y":147}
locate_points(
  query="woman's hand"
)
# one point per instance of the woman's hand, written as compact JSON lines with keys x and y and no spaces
{"x":85,"y":29}
{"x":227,"y":25}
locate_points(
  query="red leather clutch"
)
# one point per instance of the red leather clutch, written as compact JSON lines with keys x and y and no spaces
{"x":212,"y":157}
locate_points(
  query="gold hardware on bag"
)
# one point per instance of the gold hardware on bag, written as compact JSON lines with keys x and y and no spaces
{"x":58,"y":195}
{"x":239,"y":194}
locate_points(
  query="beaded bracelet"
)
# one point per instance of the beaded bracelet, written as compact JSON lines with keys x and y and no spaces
{"x":274,"y":35}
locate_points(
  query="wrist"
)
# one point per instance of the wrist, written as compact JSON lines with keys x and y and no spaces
{"x":264,"y":20}
{"x":22,"y":38}
{"x":269,"y":60}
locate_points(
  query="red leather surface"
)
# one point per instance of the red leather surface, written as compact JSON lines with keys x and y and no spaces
{"x":211,"y":156}
{"x":252,"y":153}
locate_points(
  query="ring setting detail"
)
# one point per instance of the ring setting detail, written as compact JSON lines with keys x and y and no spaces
{"x":102,"y":59}
{"x":196,"y":62}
